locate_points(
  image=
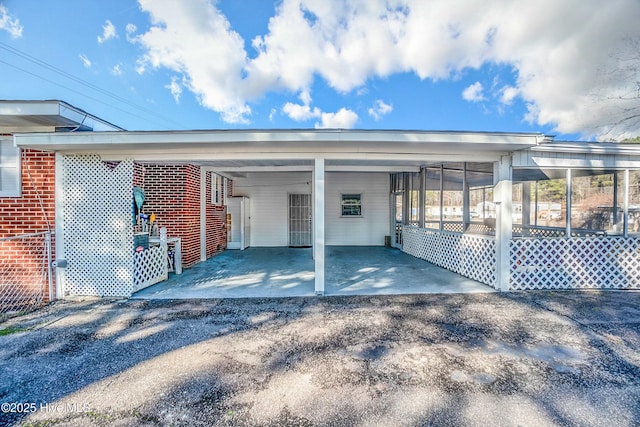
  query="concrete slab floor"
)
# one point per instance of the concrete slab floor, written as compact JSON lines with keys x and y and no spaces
{"x":287,"y":272}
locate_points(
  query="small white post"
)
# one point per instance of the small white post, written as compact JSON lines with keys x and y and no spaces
{"x":626,"y":204}
{"x":568,"y":214}
{"x":318,"y":225}
{"x":50,"y":269}
{"x":466,"y":210}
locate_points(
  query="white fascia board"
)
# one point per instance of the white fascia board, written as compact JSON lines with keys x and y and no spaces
{"x":29,"y":108}
{"x":55,"y":113}
{"x":297,"y":156}
{"x":98,"y":141}
{"x":590,"y":148}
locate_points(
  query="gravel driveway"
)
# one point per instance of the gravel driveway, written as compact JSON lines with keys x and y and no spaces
{"x":527,"y":358}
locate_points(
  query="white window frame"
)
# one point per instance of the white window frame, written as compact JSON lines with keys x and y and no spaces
{"x":352,"y":193}
{"x":217,"y":189}
{"x":6,"y":143}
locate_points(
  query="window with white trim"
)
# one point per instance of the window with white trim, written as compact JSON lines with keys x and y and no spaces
{"x":10,"y":185}
{"x":217,"y":189}
{"x":351,"y":205}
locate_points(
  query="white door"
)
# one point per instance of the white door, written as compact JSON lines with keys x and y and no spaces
{"x":238,"y":209}
{"x":246,"y":229}
{"x":300,"y":230}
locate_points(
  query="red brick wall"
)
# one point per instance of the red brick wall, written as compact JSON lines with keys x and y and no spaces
{"x":172,"y":192}
{"x":29,"y":214}
{"x":216,"y":224}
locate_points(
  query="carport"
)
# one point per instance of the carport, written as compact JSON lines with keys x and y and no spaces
{"x":288,"y":272}
{"x":352,"y":201}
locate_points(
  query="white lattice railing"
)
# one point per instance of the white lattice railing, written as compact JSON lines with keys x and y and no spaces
{"x":473,"y":256}
{"x":150,"y":267}
{"x":589,"y":262}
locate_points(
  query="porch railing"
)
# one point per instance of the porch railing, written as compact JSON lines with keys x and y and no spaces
{"x":473,"y":256}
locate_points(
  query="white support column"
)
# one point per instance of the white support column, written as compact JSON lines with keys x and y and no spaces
{"x":625,"y":205}
{"x":568,"y":213}
{"x":203,"y":214}
{"x":318,"y":224}
{"x":466,"y":211}
{"x":59,"y":226}
{"x":504,"y":207}
{"x":421,"y":197}
{"x":441,"y":222}
{"x":526,"y":207}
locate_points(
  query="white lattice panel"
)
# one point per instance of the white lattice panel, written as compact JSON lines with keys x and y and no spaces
{"x":468,"y":255}
{"x":588,"y":262}
{"x":150,"y":267}
{"x":97,"y":226}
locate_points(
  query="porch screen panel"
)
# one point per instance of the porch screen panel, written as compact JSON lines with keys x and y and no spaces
{"x":452,"y":197}
{"x":596,"y":202}
{"x":432,"y":198}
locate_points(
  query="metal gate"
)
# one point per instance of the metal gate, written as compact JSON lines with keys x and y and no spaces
{"x":397,"y":205}
{"x":300,"y":231}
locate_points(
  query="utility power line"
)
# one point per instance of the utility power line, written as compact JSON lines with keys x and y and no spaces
{"x":82,"y":82}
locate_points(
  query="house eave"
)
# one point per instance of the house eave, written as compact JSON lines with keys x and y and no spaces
{"x":248,"y":143}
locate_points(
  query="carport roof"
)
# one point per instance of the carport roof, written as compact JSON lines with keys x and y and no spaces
{"x":233,"y":149}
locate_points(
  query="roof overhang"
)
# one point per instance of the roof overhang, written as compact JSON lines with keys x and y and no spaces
{"x":245,"y":150}
{"x":48,"y":116}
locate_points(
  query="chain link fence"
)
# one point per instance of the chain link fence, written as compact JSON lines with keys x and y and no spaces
{"x":25,"y":273}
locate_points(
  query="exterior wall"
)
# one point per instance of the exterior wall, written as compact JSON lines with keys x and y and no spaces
{"x":268,"y":195}
{"x":368,"y":230}
{"x":172,"y":192}
{"x":32,"y":212}
{"x":22,"y":215}
{"x":216,"y":233}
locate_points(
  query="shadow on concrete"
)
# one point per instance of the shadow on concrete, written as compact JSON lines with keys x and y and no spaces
{"x":287,"y":272}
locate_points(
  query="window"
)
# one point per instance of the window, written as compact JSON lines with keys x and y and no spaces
{"x":352,"y":205}
{"x":217,"y":189}
{"x":9,"y":168}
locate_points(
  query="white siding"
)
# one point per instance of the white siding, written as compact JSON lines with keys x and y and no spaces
{"x":368,"y":230}
{"x":268,"y":193}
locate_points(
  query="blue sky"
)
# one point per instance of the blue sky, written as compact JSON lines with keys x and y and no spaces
{"x":566,"y":68}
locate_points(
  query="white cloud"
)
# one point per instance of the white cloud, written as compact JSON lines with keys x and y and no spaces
{"x":342,"y":119}
{"x":175,"y":89}
{"x":108,"y":32}
{"x":302,"y":112}
{"x":563,"y":53}
{"x":380,"y":109}
{"x":195,"y":40}
{"x":10,"y":23}
{"x":85,"y":61}
{"x":299,"y":112}
{"x":131,"y":30}
{"x":116,"y":70}
{"x":473,"y":93}
{"x":508,"y":94}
